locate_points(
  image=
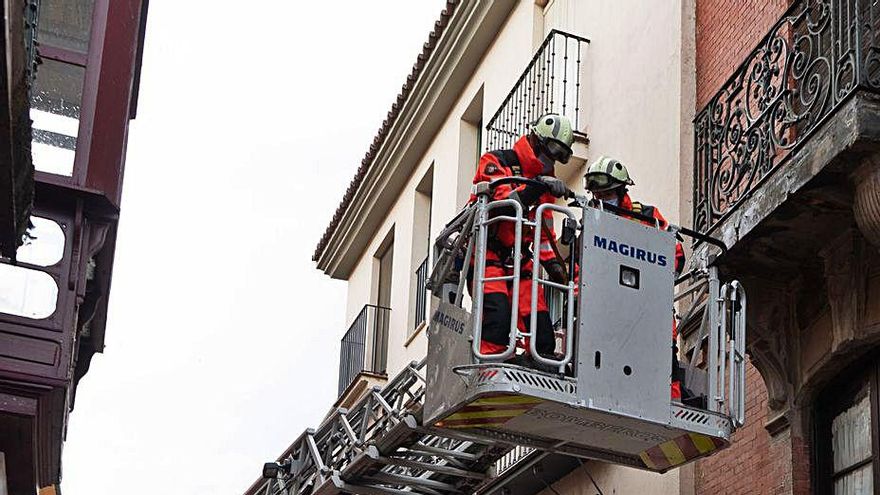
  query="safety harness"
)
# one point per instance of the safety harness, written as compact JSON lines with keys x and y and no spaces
{"x":510,"y":160}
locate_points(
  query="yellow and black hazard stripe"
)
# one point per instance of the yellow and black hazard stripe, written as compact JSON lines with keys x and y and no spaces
{"x":489,"y":411}
{"x":680,"y":450}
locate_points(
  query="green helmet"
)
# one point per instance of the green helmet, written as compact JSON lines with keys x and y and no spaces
{"x":555,"y":135}
{"x":606,"y":173}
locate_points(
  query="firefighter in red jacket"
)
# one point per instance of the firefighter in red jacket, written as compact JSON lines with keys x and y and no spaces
{"x":533,"y":156}
{"x":607,"y":179}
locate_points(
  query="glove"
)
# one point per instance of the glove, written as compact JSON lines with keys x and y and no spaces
{"x":556,"y":271}
{"x":556,"y":186}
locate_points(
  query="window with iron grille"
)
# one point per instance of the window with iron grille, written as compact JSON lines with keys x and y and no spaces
{"x":371,"y":324}
{"x":421,"y":294}
{"x":551,"y":82}
{"x":421,"y":247}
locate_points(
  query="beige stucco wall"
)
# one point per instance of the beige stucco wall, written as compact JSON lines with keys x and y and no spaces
{"x":633,"y":89}
{"x":496,"y":74}
{"x":634,"y":93}
{"x":633,"y":99}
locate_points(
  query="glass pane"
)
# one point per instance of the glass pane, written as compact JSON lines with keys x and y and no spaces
{"x":851,"y":435}
{"x":65,"y":24}
{"x":44,"y":245}
{"x":26,"y":292}
{"x":55,"y":107}
{"x":858,"y":482}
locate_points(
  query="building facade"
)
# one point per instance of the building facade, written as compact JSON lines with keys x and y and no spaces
{"x":785,"y":147}
{"x":72,"y":89}
{"x":624,"y":74}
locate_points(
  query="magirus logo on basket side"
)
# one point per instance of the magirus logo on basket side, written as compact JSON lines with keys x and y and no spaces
{"x":633,"y":252}
{"x":448,"y":321}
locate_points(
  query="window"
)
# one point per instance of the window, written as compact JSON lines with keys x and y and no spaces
{"x":846,"y":437}
{"x":26,"y":292}
{"x":44,"y":245}
{"x":851,"y":448}
{"x":63,"y":31}
{"x":421,"y":250}
{"x":66,"y":24}
{"x":470,"y":146}
{"x":55,"y":108}
{"x":385,"y":261}
{"x":478,"y":150}
{"x":557,"y":15}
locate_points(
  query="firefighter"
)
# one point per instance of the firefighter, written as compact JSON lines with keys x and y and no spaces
{"x":533,"y":156}
{"x":608,"y":181}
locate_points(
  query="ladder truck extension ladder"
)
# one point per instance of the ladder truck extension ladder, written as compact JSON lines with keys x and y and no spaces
{"x":380,"y":446}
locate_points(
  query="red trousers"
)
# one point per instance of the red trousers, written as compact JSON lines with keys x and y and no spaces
{"x":497,"y":307}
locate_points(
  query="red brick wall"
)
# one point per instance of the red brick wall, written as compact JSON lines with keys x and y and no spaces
{"x":756,"y":462}
{"x":744,"y":467}
{"x":800,"y":470}
{"x":727,"y":31}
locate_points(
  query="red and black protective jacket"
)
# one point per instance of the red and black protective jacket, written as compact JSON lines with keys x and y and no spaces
{"x":520,"y":161}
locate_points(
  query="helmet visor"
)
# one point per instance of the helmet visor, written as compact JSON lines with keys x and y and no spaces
{"x":557,"y":150}
{"x":598,"y":181}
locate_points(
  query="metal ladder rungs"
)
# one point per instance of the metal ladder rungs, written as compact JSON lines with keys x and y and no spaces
{"x":380,"y":447}
{"x":437,"y":451}
{"x":437,"y":468}
{"x":342,"y":486}
{"x":401,"y":479}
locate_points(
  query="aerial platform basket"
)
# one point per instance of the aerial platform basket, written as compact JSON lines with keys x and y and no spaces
{"x":440,"y":424}
{"x":606,"y":393}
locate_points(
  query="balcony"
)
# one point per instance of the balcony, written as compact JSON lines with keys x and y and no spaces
{"x":70,"y":80}
{"x":550,"y":83}
{"x":355,"y":356}
{"x":799,"y":78}
{"x":787,"y":174}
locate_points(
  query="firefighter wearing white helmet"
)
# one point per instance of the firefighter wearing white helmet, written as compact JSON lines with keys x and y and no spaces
{"x":607,"y":179}
{"x":533,"y":156}
{"x":553,"y":135}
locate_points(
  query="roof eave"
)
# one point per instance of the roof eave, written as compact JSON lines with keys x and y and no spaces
{"x":470,"y":31}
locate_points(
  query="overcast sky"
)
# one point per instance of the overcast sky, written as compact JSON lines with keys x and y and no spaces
{"x":223,"y":337}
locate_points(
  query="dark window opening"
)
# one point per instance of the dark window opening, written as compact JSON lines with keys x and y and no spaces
{"x":383,"y":300}
{"x":845,"y":443}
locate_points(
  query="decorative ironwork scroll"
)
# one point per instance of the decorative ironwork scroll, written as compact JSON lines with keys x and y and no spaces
{"x":809,"y":63}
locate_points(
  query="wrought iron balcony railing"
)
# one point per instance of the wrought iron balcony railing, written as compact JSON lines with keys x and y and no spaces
{"x":422,"y":273}
{"x":371,"y":325}
{"x":812,"y":60}
{"x":550,"y":83}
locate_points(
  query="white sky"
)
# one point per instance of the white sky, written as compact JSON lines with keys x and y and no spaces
{"x":223,"y":337}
